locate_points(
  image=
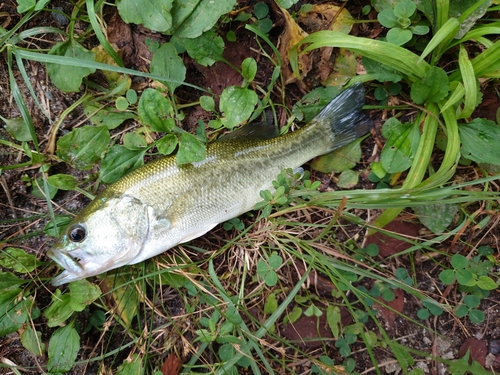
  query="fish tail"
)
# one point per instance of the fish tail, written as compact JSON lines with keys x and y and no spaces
{"x":343,"y":117}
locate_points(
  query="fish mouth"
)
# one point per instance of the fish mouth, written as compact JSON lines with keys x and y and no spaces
{"x":72,"y":269}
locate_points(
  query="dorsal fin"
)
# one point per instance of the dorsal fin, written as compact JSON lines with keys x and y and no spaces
{"x":254,"y":131}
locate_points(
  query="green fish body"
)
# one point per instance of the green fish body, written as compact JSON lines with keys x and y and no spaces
{"x":161,"y":204}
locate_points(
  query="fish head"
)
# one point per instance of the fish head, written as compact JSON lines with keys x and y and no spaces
{"x":108,"y":234}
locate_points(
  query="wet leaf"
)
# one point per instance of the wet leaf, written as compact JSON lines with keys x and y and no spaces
{"x":9,"y":280}
{"x":167,"y":144}
{"x":190,"y":149}
{"x":118,"y":161}
{"x":125,"y":297}
{"x":18,"y":260}
{"x":153,"y":14}
{"x":107,"y":116}
{"x":59,"y":310}
{"x":63,"y":181}
{"x":63,"y":348}
{"x":83,"y":293}
{"x":134,"y":141}
{"x":83,"y":146}
{"x":436,"y":217}
{"x":342,"y":159}
{"x":13,"y":310}
{"x":237,"y":104}
{"x":61,"y":222}
{"x":206,"y":49}
{"x":193,"y":17}
{"x":402,"y":143}
{"x":249,"y":69}
{"x":167,"y":63}
{"x":432,"y":88}
{"x":480,"y":141}
{"x":32,"y":340}
{"x":69,"y":78}
{"x":271,"y":304}
{"x":348,"y":179}
{"x":156,"y":111}
{"x":18,"y":129}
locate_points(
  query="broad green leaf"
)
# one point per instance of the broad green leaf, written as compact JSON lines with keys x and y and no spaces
{"x":59,"y":310}
{"x":125,"y":296}
{"x":387,"y":18}
{"x":436,"y":217}
{"x":134,"y":141}
{"x":207,"y":103}
{"x":190,"y":149}
{"x":237,"y":104}
{"x":118,"y":161}
{"x":108,"y":116}
{"x":167,"y":144}
{"x":486,"y":283}
{"x":333,"y":318}
{"x":83,"y":147}
{"x":464,"y":277}
{"x":61,"y":222}
{"x":313,"y":102}
{"x":342,"y":159}
{"x":156,"y":111}
{"x":83,"y":293}
{"x":69,"y":78}
{"x":249,"y":69}
{"x":9,"y":280}
{"x":132,"y":366}
{"x":39,"y":191}
{"x":286,"y":3}
{"x":167,"y":63}
{"x":472,"y":301}
{"x":432,"y":88}
{"x":476,"y":316}
{"x":32,"y":340}
{"x":193,"y":17}
{"x":153,"y":14}
{"x":458,"y":8}
{"x":458,"y":261}
{"x":401,"y":146}
{"x":63,"y":181}
{"x":447,"y":277}
{"x":275,"y":261}
{"x":271,"y":304}
{"x":480,"y":141}
{"x":18,"y":260}
{"x":18,"y":129}
{"x":63,"y":349}
{"x":381,"y":72}
{"x":399,"y":36}
{"x":206,"y":49}
{"x":405,"y":9}
{"x":26,"y":5}
{"x":13,"y":310}
{"x":348,"y":179}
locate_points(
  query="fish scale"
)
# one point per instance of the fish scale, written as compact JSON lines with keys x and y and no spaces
{"x":161,"y":205}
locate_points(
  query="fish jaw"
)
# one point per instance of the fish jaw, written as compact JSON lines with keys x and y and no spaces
{"x":72,"y":269}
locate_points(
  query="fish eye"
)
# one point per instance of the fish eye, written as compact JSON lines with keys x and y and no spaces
{"x":77,"y":233}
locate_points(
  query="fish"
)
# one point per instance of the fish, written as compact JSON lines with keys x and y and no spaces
{"x":162,"y":204}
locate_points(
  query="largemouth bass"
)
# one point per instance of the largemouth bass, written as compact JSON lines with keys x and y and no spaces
{"x":161,"y":205}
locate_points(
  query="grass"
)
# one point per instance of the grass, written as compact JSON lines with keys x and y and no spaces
{"x":227,"y":303}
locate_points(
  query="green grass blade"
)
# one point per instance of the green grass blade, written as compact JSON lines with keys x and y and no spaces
{"x":470,"y":83}
{"x":441,"y":37}
{"x":386,"y":53}
{"x":100,"y":36}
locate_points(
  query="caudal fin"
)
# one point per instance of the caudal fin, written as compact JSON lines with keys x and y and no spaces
{"x":344,"y":118}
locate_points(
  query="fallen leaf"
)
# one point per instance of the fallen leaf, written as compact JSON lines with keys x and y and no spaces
{"x":172,"y":365}
{"x":396,"y":305}
{"x":478,"y":349}
{"x":388,"y":245}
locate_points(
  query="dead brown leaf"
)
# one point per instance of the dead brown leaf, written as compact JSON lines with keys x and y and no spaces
{"x":172,"y":365}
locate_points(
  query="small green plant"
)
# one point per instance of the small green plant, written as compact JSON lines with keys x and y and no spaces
{"x":403,"y":22}
{"x":266,"y":270}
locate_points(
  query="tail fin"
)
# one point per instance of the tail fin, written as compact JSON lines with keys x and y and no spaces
{"x":344,"y":117}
